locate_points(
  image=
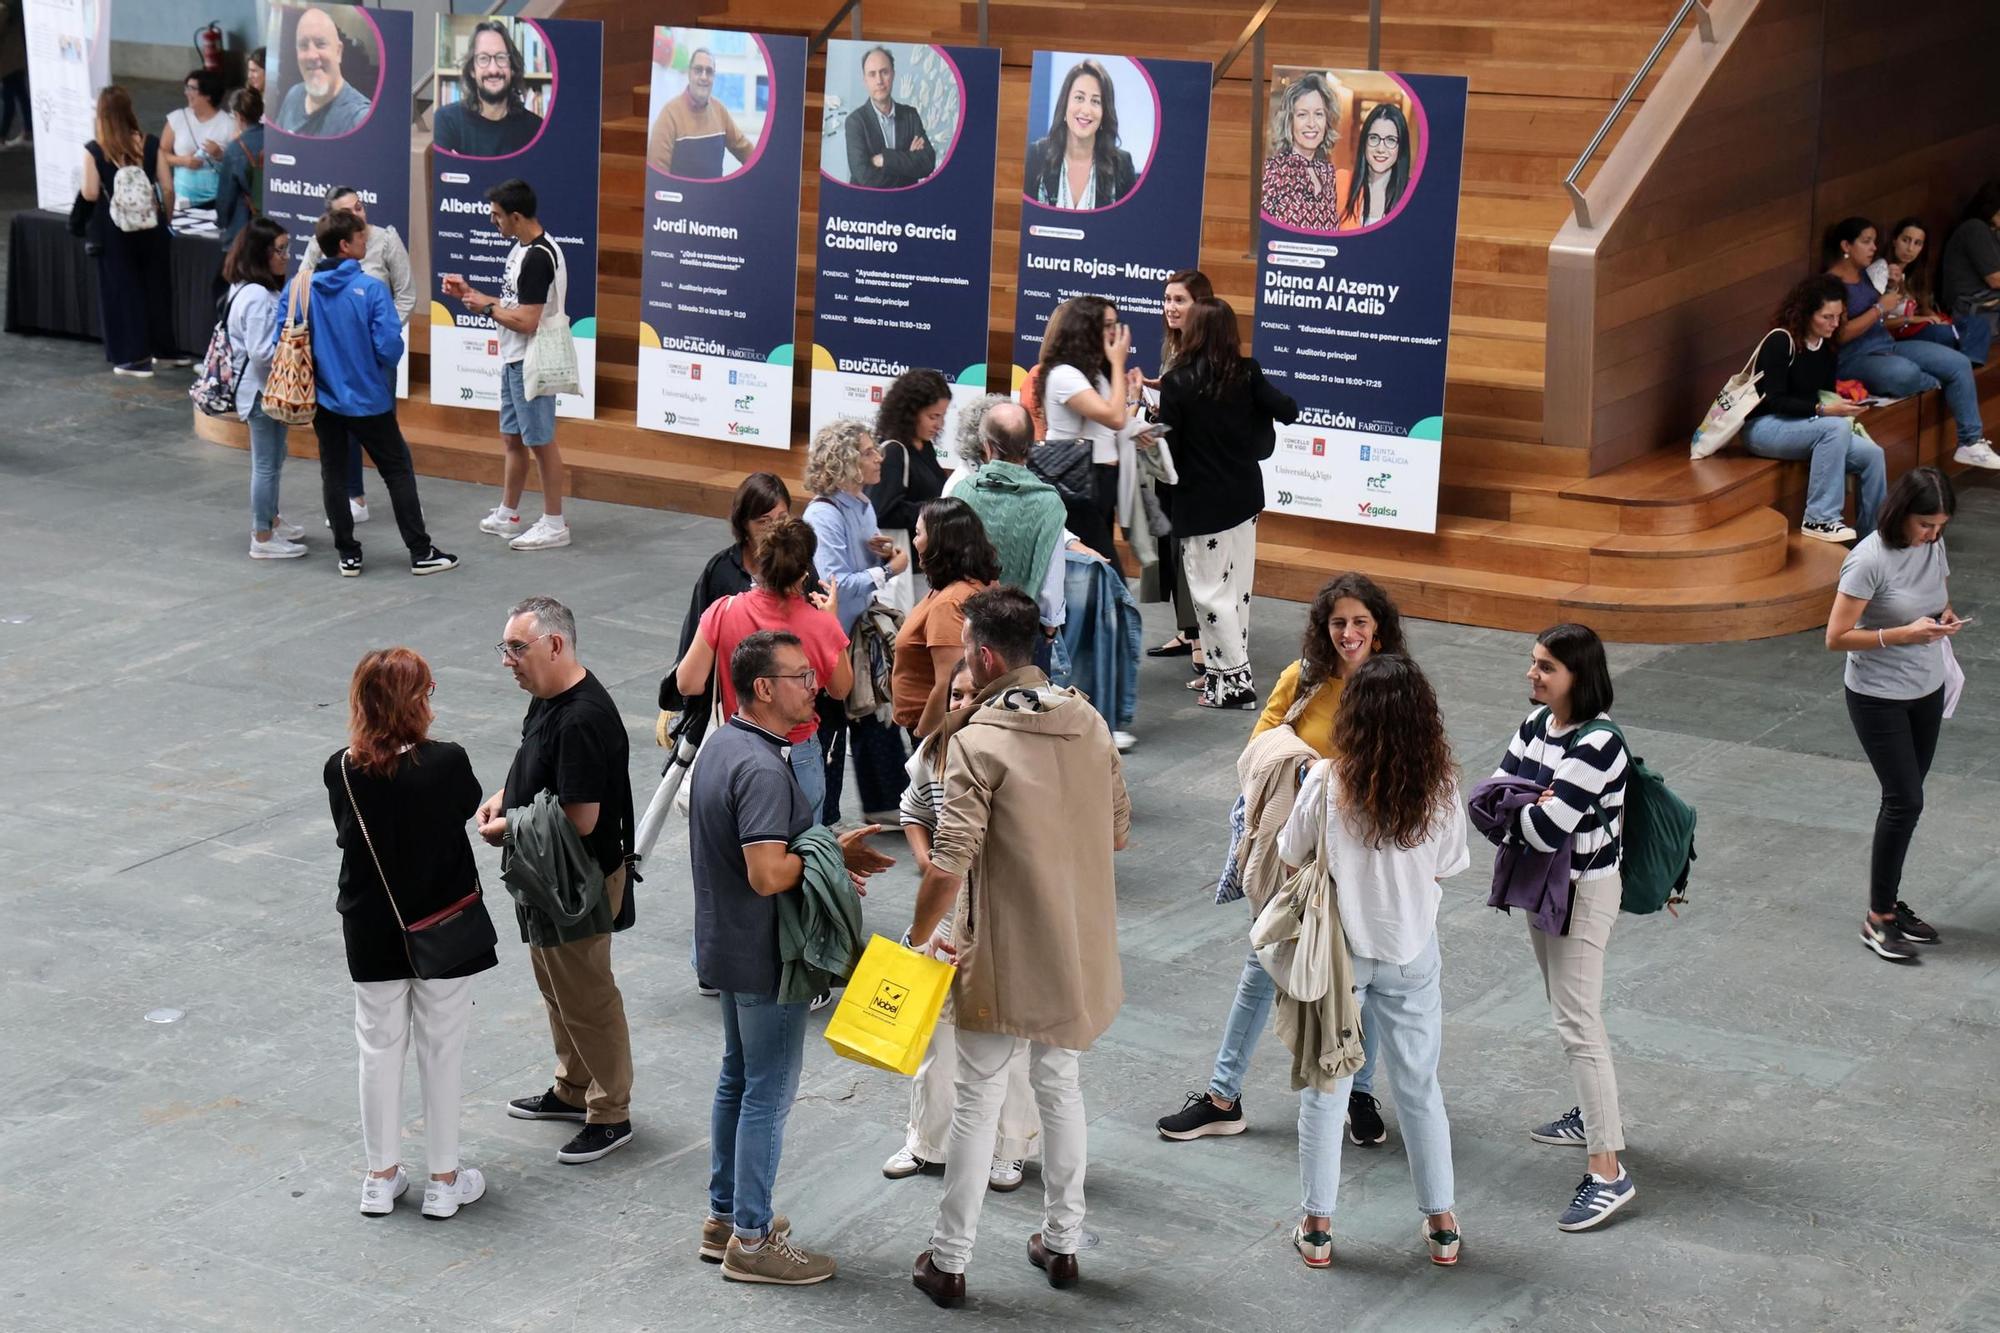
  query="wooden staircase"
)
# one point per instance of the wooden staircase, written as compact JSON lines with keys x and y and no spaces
{"x":1655,"y":551}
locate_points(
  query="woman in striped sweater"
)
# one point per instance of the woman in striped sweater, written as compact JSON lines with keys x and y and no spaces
{"x":1570,"y":683}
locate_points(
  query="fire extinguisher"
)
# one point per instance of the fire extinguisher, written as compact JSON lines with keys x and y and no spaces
{"x":208,"y":41}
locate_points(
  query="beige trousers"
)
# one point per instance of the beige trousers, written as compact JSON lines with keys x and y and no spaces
{"x":1573,"y":976}
{"x":587,"y":1024}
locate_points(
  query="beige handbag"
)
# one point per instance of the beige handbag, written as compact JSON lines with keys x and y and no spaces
{"x":289,"y":396}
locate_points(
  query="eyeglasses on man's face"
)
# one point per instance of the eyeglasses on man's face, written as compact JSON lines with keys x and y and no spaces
{"x":514,"y":650}
{"x":491,"y":60}
{"x":805,"y":680}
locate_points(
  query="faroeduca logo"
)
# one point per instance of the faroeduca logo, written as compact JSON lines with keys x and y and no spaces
{"x":1369,"y":509}
{"x":1380,"y":481}
{"x":887,"y":1001}
{"x":746,"y":402}
{"x":742,"y":428}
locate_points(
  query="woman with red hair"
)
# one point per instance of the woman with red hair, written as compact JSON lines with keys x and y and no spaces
{"x":400,"y":802}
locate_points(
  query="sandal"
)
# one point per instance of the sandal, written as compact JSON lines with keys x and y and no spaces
{"x":1174,"y":647}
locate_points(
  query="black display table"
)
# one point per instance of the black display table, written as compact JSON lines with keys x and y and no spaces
{"x":52,"y":283}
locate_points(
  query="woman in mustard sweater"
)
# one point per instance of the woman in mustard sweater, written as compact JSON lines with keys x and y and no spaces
{"x":1351,"y":621}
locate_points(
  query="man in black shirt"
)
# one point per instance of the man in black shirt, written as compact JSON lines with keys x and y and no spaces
{"x":573,"y":744}
{"x":489,"y":118}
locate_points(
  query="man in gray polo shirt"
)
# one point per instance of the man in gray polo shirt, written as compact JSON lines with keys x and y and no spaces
{"x":744,"y":809}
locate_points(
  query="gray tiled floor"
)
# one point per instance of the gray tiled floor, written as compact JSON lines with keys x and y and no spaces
{"x":1813,"y":1131}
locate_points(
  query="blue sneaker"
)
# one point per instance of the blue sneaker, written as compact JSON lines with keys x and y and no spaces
{"x":1597,"y":1199}
{"x":1565,"y":1131}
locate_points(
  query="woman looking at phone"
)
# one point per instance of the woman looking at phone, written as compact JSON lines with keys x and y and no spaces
{"x":1082,"y":393}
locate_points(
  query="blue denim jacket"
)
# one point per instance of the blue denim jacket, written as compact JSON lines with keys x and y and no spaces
{"x":1100,"y":638}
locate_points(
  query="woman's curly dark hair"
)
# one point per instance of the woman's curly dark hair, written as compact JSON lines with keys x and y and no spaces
{"x":1392,"y":761}
{"x":1803,"y":301}
{"x":1076,"y":338}
{"x":905,"y":398}
{"x":1321,"y":662}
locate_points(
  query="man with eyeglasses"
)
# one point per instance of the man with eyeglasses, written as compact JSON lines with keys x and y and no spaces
{"x":490,"y":117}
{"x":692,"y":130}
{"x":573,"y":744}
{"x":745,"y":808}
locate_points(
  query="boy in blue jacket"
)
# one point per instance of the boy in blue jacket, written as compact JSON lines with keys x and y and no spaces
{"x":356,"y":342}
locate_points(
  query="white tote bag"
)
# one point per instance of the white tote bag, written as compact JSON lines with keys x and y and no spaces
{"x":550,"y":366}
{"x":1732,"y":407}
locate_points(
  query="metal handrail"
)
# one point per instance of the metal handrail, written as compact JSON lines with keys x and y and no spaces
{"x":1706,"y":24}
{"x":824,"y":35}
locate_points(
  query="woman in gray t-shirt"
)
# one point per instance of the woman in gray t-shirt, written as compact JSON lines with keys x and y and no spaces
{"x":1892,"y":617}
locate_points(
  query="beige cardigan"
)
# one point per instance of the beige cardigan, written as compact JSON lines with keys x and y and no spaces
{"x":1034,"y":801}
{"x":1324,"y":1036}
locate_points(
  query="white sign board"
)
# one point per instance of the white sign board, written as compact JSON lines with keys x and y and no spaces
{"x":69,"y":59}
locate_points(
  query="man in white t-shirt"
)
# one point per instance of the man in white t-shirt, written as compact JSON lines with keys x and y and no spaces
{"x":527,"y":425}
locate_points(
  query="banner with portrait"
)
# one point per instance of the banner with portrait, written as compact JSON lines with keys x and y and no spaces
{"x":1359,"y":224}
{"x":907,"y":144}
{"x":69,"y":59}
{"x":516,"y":99}
{"x":1116,"y":158}
{"x":335,"y":118}
{"x":720,"y":273}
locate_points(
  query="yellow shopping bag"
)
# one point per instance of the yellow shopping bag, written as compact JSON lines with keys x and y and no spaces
{"x":890,"y":1007}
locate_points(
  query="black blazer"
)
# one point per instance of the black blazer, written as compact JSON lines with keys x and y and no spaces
{"x":1218,"y":442}
{"x":1113,"y":182}
{"x":900,"y":166}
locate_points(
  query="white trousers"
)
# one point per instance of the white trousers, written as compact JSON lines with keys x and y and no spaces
{"x":1220,"y":567}
{"x":389,"y":1017}
{"x":934,"y":1091}
{"x":975,"y":1119}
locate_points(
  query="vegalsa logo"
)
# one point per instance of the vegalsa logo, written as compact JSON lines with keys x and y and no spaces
{"x":1380,"y":481}
{"x":742,"y":428}
{"x":887,"y":1001}
{"x":1369,"y":509}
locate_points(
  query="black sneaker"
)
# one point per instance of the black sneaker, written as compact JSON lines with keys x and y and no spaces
{"x":350,"y":566}
{"x":1364,"y":1121}
{"x":437,"y":562}
{"x":1915,"y":929}
{"x":544,"y":1106}
{"x":595,"y":1142}
{"x":1201,"y":1118}
{"x":1886,"y":939}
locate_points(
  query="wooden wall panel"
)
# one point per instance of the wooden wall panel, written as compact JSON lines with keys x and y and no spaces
{"x":1729,"y":176}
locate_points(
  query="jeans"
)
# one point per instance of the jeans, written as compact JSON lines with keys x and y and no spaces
{"x":341,"y":437}
{"x":878,"y":760}
{"x":1406,"y":1003}
{"x":1573,"y":977}
{"x":1914,"y":366}
{"x":809,"y":768}
{"x":983,"y":1058}
{"x":1835,"y":451}
{"x":763,"y":1049}
{"x":390,"y":1017}
{"x":1900,"y":737}
{"x":267,"y":460}
{"x":533,"y":419}
{"x":1247,"y":1015}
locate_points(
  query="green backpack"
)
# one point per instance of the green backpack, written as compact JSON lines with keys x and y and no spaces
{"x":1657,"y":852}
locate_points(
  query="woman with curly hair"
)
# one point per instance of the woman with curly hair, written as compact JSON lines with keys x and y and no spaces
{"x":907,"y":426}
{"x":854,"y":561}
{"x":400,"y":801}
{"x":1351,"y":621}
{"x":1302,"y":187}
{"x":968,"y":448}
{"x":1388,"y":809}
{"x":1799,"y":418}
{"x":1082,"y":392}
{"x":1078,"y":163}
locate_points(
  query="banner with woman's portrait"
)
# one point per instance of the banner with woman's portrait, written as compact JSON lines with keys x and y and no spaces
{"x":907,"y":140}
{"x":327,"y":124}
{"x":512,"y":99}
{"x":1358,"y":231}
{"x":1116,"y":158}
{"x":718,"y":287}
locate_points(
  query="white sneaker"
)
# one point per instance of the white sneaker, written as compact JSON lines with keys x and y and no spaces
{"x":1124,"y":740}
{"x":379,"y":1193}
{"x":1977,"y":454}
{"x":359,"y":510}
{"x":904,"y":1163}
{"x":1004,"y":1177}
{"x":284,"y":531}
{"x":541,"y":537}
{"x":275,"y":549}
{"x":1826,"y":530}
{"x":442,"y":1200}
{"x":509,"y":528}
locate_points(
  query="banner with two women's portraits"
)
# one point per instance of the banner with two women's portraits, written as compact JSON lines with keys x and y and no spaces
{"x":1358,"y":230}
{"x":513,"y":99}
{"x":337,"y":116}
{"x":907,"y":141}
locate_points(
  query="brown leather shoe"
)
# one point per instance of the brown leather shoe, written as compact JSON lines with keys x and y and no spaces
{"x":1061,"y":1268}
{"x":946,"y":1290}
